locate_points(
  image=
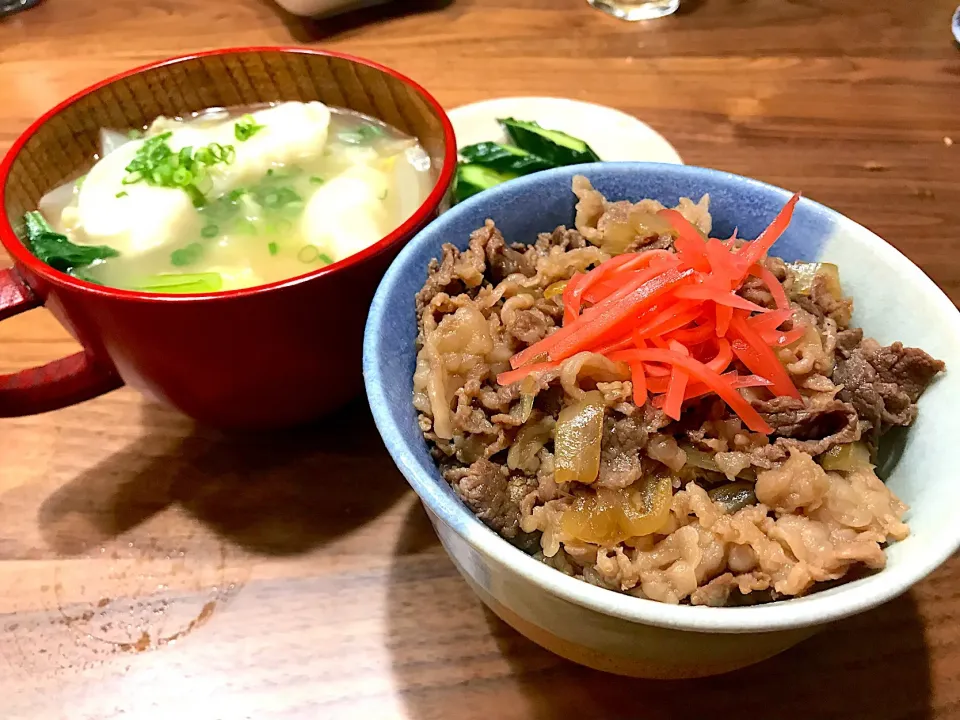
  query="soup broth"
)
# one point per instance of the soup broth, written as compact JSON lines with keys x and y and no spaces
{"x":234,"y":198}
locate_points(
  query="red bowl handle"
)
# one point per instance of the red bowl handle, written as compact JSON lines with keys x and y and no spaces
{"x":58,"y":384}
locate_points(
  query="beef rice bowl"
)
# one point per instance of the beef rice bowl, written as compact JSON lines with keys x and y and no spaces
{"x":659,"y":412}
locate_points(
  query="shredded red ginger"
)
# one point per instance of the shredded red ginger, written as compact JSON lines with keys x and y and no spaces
{"x":676,"y":320}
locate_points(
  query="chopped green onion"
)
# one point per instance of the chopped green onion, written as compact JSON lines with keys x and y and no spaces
{"x":78,"y":183}
{"x":204,"y":156}
{"x":326,"y":258}
{"x":157,"y":164}
{"x":273,"y":248}
{"x":246,"y":127}
{"x":186,"y":255}
{"x":210,"y":231}
{"x":316,"y":180}
{"x":270,"y":172}
{"x":308,"y":254}
{"x":181,"y":283}
{"x":122,"y":193}
{"x":237,"y":194}
{"x":182,"y":177}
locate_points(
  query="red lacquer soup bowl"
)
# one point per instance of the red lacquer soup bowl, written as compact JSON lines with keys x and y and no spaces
{"x":268,"y":356}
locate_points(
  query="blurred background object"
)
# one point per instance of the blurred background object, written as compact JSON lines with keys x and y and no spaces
{"x":324,"y":8}
{"x":9,"y":7}
{"x":637,"y":10}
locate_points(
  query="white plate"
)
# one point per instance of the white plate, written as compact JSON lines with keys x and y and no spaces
{"x":612,"y":134}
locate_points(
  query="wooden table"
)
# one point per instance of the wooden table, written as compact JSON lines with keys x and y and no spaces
{"x":153,"y":569}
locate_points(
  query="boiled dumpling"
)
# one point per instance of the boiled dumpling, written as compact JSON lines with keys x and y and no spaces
{"x":347,"y":214}
{"x":142,"y":218}
{"x":291,"y":132}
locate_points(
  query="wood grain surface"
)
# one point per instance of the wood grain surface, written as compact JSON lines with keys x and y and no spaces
{"x":153,"y":569}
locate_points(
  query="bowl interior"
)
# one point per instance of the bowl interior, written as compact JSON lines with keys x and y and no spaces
{"x":62,"y":145}
{"x":894,"y":301}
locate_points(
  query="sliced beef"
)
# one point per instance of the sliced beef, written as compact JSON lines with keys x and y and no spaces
{"x":651,"y":242}
{"x":503,"y":259}
{"x":776,"y":266}
{"x":456,"y":271}
{"x":799,"y":425}
{"x":848,"y":341}
{"x":837,"y":309}
{"x":883,"y":384}
{"x":492,"y":494}
{"x":821,"y":303}
{"x":562,"y":238}
{"x":620,"y":452}
{"x":755,"y":290}
{"x":529,"y":326}
{"x":791,"y":418}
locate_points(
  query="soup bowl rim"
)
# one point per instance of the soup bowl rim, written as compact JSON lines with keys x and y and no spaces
{"x":20,"y":253}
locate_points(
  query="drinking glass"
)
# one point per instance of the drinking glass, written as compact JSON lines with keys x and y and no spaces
{"x":637,"y":9}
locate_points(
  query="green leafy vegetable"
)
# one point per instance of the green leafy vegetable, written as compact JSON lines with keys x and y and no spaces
{"x":246,"y":127}
{"x":186,"y":255}
{"x":83,"y":273}
{"x":314,"y":180}
{"x":273,"y":248}
{"x":157,"y":164}
{"x":473,"y":179}
{"x":551,"y":145}
{"x":181,"y":283}
{"x":56,"y":250}
{"x":504,"y":158}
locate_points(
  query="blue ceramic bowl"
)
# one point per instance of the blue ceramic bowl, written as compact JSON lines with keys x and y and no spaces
{"x":620,"y":633}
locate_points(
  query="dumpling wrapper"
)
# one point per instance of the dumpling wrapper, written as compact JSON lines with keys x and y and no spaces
{"x":347,"y":214}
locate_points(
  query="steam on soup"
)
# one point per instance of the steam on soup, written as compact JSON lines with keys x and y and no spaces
{"x":228,"y":200}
